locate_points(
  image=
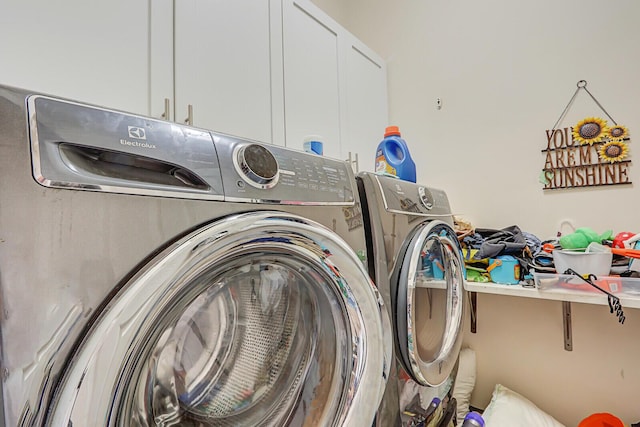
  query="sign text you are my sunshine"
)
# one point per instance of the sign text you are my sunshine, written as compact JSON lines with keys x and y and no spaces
{"x":569,"y":164}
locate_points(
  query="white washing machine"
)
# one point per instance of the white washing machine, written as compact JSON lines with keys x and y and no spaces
{"x":415,"y":259}
{"x":157,"y":274}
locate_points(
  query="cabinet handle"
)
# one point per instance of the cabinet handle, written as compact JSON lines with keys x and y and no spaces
{"x":166,"y":114}
{"x":189,"y":119}
{"x":353,"y":161}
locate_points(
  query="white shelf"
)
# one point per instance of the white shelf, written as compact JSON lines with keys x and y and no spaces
{"x":431,"y":283}
{"x":555,"y":294}
{"x":554,"y":287}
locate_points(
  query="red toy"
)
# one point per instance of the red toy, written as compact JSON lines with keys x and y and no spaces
{"x":618,"y":241}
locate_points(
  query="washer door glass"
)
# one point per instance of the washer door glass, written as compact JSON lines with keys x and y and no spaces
{"x":261,"y":319}
{"x":427,"y":297}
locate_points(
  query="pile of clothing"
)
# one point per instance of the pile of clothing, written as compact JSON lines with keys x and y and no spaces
{"x":480,"y":245}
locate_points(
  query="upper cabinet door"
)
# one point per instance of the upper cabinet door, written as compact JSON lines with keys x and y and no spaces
{"x":161,"y":59}
{"x":222,"y":66}
{"x":365,"y":115}
{"x":311,"y":76}
{"x":95,"y":52}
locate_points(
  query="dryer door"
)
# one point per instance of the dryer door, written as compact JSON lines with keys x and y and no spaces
{"x":262,"y":318}
{"x":427,"y":297}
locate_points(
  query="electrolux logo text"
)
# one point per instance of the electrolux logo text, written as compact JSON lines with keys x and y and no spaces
{"x":137,"y":133}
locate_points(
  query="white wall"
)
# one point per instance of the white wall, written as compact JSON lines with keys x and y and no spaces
{"x":505,"y":71}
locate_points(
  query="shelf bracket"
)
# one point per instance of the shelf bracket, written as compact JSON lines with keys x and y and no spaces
{"x":566,"y":323}
{"x":474,"y":311}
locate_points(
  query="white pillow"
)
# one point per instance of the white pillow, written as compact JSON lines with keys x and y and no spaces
{"x":465,"y":381}
{"x":508,"y":409}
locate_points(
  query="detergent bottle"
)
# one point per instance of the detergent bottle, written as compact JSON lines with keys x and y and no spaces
{"x":473,"y":419}
{"x":393,"y":158}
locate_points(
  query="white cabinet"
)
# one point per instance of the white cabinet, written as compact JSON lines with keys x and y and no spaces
{"x":334,"y":86}
{"x":223,"y":66}
{"x":154,"y":58}
{"x":365,"y":113}
{"x":311,"y":77}
{"x":273,"y":71}
{"x":91,"y":51}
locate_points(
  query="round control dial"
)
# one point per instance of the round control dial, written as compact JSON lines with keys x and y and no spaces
{"x":257,"y":166}
{"x":425,"y":198}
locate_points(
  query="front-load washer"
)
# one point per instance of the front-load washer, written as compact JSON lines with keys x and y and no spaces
{"x":415,"y":260}
{"x":158,"y":274}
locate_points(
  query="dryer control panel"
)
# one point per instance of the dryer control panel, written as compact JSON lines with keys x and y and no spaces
{"x":413,"y":199}
{"x":260,"y":173}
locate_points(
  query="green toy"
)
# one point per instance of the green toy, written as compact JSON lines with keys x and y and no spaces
{"x":581,"y":238}
{"x":477,"y":275}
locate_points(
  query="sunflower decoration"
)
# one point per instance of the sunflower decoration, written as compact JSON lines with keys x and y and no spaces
{"x":590,"y":130}
{"x":618,"y":133}
{"x":613,"y":151}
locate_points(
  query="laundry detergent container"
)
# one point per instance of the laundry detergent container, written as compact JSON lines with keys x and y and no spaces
{"x":393,"y":158}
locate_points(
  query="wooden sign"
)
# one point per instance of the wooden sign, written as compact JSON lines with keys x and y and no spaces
{"x":589,"y":154}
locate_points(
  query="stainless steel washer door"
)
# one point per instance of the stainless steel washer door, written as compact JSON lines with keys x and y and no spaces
{"x":259,"y":319}
{"x":427,"y":291}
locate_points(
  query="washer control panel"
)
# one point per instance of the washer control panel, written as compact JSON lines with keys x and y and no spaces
{"x":254,"y":172}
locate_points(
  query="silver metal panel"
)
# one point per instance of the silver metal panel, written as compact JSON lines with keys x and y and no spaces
{"x":303,"y":178}
{"x":429,"y":311}
{"x":160,"y":284}
{"x":407,"y":198}
{"x":64,"y":253}
{"x":85,"y":147}
{"x":394,"y":208}
{"x":92,"y":148}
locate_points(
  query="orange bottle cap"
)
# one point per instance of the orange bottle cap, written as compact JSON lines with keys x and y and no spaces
{"x":391,"y":130}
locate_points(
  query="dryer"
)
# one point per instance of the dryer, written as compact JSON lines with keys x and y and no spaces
{"x":416,"y":261}
{"x":157,"y":274}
